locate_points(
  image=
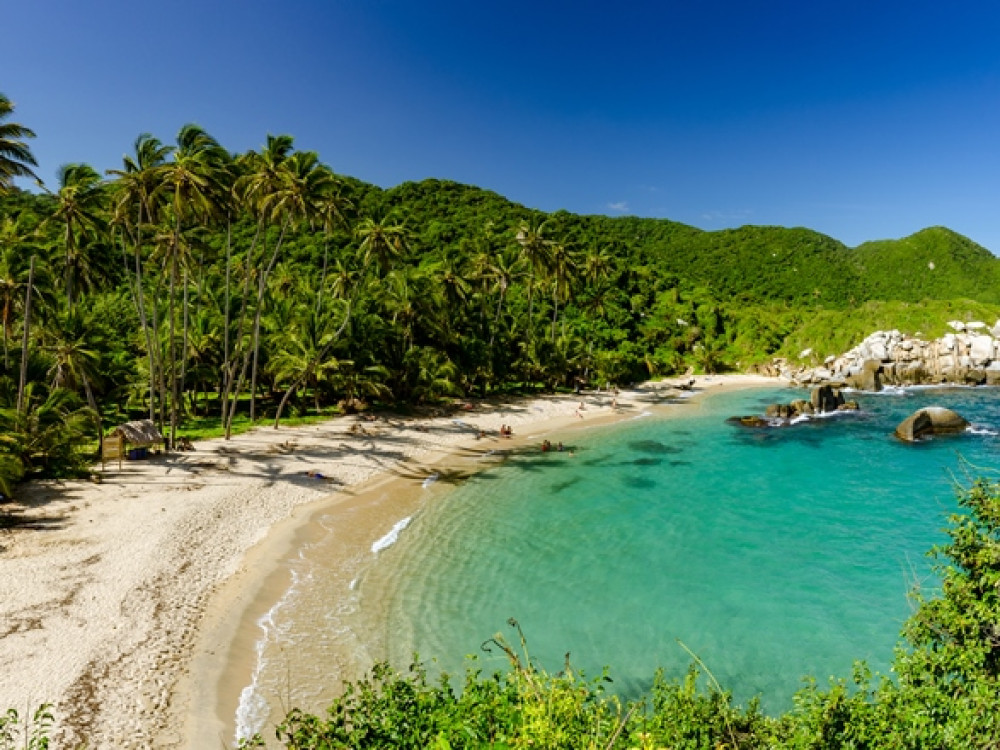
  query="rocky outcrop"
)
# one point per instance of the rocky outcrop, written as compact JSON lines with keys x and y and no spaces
{"x":822,"y":399}
{"x":932,"y":420}
{"x":969,"y":356}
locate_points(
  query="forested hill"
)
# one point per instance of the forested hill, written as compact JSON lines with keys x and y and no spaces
{"x":934,"y":263}
{"x":754,"y":263}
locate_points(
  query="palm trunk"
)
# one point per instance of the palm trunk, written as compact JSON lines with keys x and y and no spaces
{"x":225,"y":313}
{"x":92,"y":403}
{"x":555,"y":316}
{"x":322,"y":276}
{"x":158,"y":374}
{"x":172,"y":356}
{"x":172,"y":351}
{"x":184,"y":347}
{"x":261,"y":288}
{"x":230,"y":395}
{"x":284,"y":400}
{"x":27,"y":333}
{"x":140,"y":296}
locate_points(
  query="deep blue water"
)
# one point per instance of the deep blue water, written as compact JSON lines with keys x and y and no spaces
{"x":772,"y":554}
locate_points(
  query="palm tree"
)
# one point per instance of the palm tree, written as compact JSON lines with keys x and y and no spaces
{"x":15,"y":248}
{"x":382,"y":242}
{"x":134,"y":189}
{"x":563,"y":270}
{"x":79,"y":208}
{"x":192,"y":183}
{"x":536,"y":249}
{"x":16,"y":159}
{"x":285,"y":191}
{"x":503,"y":269}
{"x":305,"y":358}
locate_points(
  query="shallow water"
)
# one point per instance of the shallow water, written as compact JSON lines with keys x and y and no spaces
{"x":771,"y":554}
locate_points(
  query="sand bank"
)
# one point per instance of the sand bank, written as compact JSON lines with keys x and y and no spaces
{"x":126,"y":603}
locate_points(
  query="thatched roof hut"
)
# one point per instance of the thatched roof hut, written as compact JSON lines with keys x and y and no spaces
{"x":141,"y":432}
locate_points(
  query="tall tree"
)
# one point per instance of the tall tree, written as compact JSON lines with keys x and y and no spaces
{"x":134,"y":188}
{"x":16,"y":158}
{"x":383,"y":241}
{"x":80,"y":212}
{"x":536,"y":249}
{"x":192,"y":184}
{"x":563,"y":268}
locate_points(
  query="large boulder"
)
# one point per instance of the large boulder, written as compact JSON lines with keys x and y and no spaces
{"x":824,"y":398}
{"x":981,"y":349}
{"x":932,"y":420}
{"x":800,"y":406}
{"x":869,"y":378}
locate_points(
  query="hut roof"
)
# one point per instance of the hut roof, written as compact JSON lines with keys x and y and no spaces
{"x":139,"y":432}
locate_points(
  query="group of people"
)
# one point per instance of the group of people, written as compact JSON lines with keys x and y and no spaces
{"x":506,"y":431}
{"x":547,"y":446}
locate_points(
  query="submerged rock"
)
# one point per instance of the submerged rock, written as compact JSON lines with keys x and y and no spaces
{"x":749,"y":421}
{"x":932,"y":420}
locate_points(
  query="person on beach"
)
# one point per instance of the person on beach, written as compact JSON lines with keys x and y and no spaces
{"x":546,"y":446}
{"x":559,"y":447}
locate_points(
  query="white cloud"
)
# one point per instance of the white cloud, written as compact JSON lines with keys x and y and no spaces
{"x":619,"y":207}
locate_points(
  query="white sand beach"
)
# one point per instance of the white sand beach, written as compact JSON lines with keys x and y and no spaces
{"x":120,"y":601}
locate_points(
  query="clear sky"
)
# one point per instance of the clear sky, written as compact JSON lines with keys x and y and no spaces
{"x":861,"y":119}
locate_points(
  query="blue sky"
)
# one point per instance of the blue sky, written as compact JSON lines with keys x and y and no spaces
{"x":863,"y":120}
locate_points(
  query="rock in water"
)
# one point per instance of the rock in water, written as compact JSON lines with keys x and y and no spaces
{"x":933,"y":420}
{"x":749,"y":421}
{"x":825,"y":398}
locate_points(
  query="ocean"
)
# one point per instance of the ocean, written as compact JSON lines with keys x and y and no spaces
{"x":771,"y":554}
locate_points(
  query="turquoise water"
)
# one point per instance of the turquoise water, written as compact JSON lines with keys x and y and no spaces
{"x":772,"y":554}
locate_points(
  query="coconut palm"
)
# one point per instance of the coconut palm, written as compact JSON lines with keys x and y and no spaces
{"x":286,"y":191}
{"x":16,"y":247}
{"x":563,"y":267}
{"x":536,"y":249}
{"x":192,"y":185}
{"x":16,"y":159}
{"x":134,"y":188}
{"x":305,"y":356}
{"x":79,"y":211}
{"x":382,"y":242}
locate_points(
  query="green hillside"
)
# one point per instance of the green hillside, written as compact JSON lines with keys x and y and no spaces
{"x":754,"y":263}
{"x":934,"y":263}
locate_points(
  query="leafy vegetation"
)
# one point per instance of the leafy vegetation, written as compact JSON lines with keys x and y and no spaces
{"x":210,"y":291}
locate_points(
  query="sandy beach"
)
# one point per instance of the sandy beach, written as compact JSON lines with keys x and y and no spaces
{"x":124,"y":603}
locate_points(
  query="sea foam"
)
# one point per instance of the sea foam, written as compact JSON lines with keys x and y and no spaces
{"x":390,"y":539}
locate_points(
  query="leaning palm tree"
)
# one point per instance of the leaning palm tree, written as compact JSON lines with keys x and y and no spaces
{"x":305,"y":356}
{"x":16,"y":159}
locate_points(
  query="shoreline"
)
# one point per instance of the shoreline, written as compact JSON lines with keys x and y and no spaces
{"x":124,"y":603}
